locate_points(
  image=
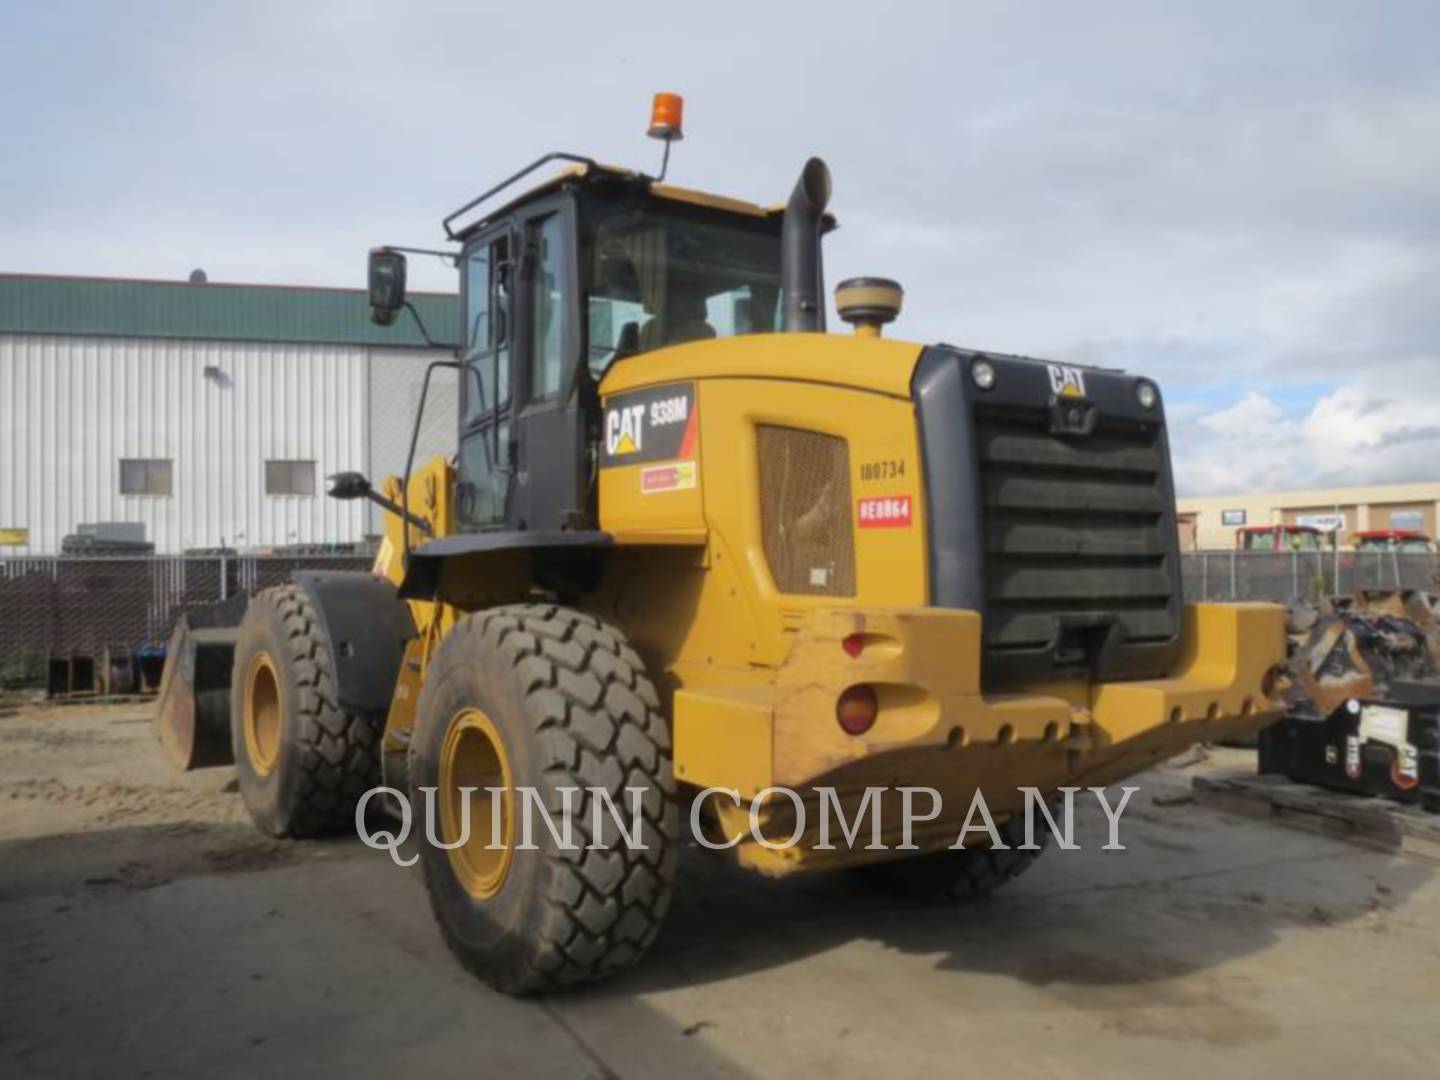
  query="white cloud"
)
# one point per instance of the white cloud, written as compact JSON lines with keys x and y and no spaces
{"x":1381,"y":426}
{"x":1254,"y":417}
{"x":1220,"y":196}
{"x":1352,"y":419}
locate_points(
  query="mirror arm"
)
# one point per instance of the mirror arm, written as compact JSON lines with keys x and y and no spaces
{"x":454,"y":347}
{"x":452,"y":257}
{"x":391,"y":506}
{"x":354,"y":485}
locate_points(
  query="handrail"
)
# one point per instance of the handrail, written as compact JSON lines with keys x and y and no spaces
{"x":554,"y":155}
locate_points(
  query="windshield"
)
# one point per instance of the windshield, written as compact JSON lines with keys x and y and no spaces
{"x":1408,"y":545}
{"x":1281,"y":540}
{"x":662,"y":273}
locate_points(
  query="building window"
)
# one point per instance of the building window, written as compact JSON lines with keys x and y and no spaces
{"x":1411,"y":520}
{"x":289,"y":478}
{"x":145,"y":476}
{"x":1232,"y":517}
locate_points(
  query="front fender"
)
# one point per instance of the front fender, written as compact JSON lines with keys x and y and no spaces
{"x":367,"y":626}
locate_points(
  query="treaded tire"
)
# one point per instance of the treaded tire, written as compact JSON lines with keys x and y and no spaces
{"x":573,"y":707}
{"x":968,"y":874}
{"x":326,"y":758}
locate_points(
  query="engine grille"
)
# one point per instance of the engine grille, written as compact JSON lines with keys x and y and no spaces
{"x":1075,"y":543}
{"x":805,"y":511}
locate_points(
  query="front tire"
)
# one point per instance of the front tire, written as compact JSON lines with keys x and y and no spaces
{"x":301,"y":761}
{"x":543,"y":697}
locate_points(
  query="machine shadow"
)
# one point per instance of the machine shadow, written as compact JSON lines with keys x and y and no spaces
{"x":260,"y":971}
{"x":1181,"y":900}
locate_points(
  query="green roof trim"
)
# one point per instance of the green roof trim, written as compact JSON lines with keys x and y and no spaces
{"x":118,"y":307}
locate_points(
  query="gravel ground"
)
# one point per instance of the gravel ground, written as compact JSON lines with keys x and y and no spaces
{"x":147,"y":930}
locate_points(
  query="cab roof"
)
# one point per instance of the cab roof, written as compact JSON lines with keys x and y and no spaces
{"x":1389,"y":534}
{"x":593,"y":172}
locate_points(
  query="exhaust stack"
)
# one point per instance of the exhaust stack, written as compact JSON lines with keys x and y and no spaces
{"x":802,"y":273}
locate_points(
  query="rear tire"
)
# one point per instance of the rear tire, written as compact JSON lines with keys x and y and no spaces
{"x":301,"y":761}
{"x":964,"y":875}
{"x":548,"y":698}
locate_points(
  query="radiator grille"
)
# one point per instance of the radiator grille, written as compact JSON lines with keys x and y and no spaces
{"x":1075,"y":538}
{"x":805,"y":511}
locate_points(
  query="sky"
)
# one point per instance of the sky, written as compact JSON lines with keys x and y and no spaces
{"x":1241,"y":200}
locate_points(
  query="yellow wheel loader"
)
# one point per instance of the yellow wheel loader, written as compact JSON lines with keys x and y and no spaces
{"x":696,"y":552}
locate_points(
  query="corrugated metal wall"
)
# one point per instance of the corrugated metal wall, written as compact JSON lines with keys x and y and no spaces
{"x":396,"y":376}
{"x":72,"y":407}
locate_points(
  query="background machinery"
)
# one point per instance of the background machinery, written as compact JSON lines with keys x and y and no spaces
{"x":691,"y":541}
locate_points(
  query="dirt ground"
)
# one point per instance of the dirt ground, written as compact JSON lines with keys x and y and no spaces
{"x":147,"y":930}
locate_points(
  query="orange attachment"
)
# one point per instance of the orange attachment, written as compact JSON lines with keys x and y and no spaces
{"x":667,"y":114}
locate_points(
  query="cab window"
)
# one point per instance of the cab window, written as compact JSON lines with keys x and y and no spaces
{"x":662,"y":273}
{"x":487,"y":308}
{"x":484,"y":439}
{"x":547,"y":306}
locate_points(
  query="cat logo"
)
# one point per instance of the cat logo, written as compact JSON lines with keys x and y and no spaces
{"x":625,"y":430}
{"x":655,"y":423}
{"x":1066,"y":381}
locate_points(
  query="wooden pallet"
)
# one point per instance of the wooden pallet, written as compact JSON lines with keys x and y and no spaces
{"x":1366,"y":820}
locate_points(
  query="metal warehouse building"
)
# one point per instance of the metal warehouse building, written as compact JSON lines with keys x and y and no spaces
{"x":210,"y":413}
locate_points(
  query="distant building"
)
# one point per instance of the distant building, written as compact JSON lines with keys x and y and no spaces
{"x":1209,"y":522}
{"x":1188,"y":527}
{"x":209,"y":413}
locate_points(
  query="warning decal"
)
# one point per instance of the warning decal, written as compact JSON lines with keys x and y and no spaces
{"x":677,"y":477}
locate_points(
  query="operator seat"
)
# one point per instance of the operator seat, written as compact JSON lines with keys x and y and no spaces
{"x":682,"y":320}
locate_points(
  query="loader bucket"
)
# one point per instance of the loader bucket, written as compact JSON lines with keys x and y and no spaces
{"x":192,"y":717}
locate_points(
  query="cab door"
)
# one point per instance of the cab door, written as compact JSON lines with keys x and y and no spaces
{"x":551,"y":489}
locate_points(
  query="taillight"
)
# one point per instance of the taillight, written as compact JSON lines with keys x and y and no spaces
{"x":857,"y":708}
{"x":853,"y":644}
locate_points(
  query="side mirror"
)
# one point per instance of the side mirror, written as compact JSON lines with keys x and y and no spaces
{"x":347,"y":485}
{"x":386,"y":276}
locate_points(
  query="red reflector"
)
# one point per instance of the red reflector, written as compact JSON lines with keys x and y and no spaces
{"x":854,"y":644}
{"x":856,"y":709}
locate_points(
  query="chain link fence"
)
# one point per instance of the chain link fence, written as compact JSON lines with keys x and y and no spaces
{"x":1303,"y":575}
{"x":66,"y":605}
{"x":71,"y":606}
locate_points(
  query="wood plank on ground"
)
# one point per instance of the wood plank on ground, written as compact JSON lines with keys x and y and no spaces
{"x":1367,"y":820}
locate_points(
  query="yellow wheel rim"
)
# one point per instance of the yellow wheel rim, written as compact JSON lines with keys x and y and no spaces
{"x":263,"y":718}
{"x":473,"y":756}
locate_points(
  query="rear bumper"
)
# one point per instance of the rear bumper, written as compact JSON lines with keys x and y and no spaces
{"x":936,"y":728}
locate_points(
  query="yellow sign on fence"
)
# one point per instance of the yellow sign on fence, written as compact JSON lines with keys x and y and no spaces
{"x":14,"y":537}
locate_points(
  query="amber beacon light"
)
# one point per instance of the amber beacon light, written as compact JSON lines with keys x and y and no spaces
{"x":667,"y":113}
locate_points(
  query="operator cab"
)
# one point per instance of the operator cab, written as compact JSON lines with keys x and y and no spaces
{"x":1279,"y":538}
{"x":1403,"y":541}
{"x":584,"y":271}
{"x":593,"y":266}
